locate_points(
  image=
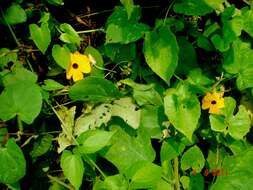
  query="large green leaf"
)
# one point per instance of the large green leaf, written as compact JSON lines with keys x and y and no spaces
{"x":161,"y":52}
{"x":94,"y":140}
{"x":15,"y":14}
{"x":73,"y":168}
{"x":183,"y":109}
{"x":128,"y":111}
{"x":237,"y":172}
{"x":41,"y":36}
{"x":98,"y":116}
{"x":193,"y":158}
{"x":238,"y":61}
{"x":21,"y":96}
{"x":94,"y":89}
{"x":197,"y":7}
{"x":13,"y":164}
{"x":248,"y":21}
{"x":126,"y":150}
{"x":122,"y":30}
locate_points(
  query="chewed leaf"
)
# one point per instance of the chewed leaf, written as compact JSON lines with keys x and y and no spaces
{"x":98,"y":116}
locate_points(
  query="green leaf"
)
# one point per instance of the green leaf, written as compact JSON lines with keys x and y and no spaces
{"x":98,"y":116}
{"x":171,"y":149}
{"x":237,"y":172}
{"x":94,"y":89}
{"x":41,"y":146}
{"x":161,"y":52}
{"x":61,"y":55}
{"x":197,"y":7}
{"x":187,"y":56}
{"x":94,"y":140}
{"x":150,"y":121}
{"x":183,"y":110}
{"x":97,"y":70}
{"x":237,"y":125}
{"x":15,"y":14}
{"x":129,"y":6}
{"x":146,"y":175}
{"x":51,"y":85}
{"x":120,"y":53}
{"x":126,"y":150}
{"x":238,"y":61}
{"x":41,"y":36}
{"x":56,"y":2}
{"x":248,"y":21}
{"x":115,"y":182}
{"x":122,"y":30}
{"x":144,"y":94}
{"x":128,"y":111}
{"x":69,"y":34}
{"x":13,"y":164}
{"x":73,"y":168}
{"x":66,"y":116}
{"x":21,"y":96}
{"x":7,"y":56}
{"x":193,"y":158}
{"x":196,"y":182}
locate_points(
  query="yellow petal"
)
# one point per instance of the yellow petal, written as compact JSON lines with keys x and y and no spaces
{"x":77,"y":76}
{"x":220,"y":103}
{"x":214,"y":109}
{"x":85,"y":67}
{"x":69,"y":73}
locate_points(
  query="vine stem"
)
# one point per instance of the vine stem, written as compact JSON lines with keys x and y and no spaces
{"x":95,"y":165}
{"x":176,"y":174}
{"x":55,"y":179}
{"x":89,"y":31}
{"x":8,"y":25}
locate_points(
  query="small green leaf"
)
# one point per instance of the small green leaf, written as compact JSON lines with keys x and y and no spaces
{"x":56,"y":2}
{"x":51,"y":85}
{"x":61,"y":56}
{"x":161,"y":52}
{"x":171,"y":149}
{"x":128,"y":111}
{"x":41,"y":36}
{"x":73,"y":168}
{"x":15,"y":14}
{"x":122,"y":30}
{"x":193,"y":158}
{"x":183,"y":110}
{"x":41,"y":146}
{"x":13,"y":164}
{"x":94,"y":140}
{"x":69,"y":34}
{"x":115,"y":182}
{"x":94,"y":89}
{"x":97,"y":70}
{"x":7,"y":56}
{"x":146,"y":176}
{"x":129,"y":6}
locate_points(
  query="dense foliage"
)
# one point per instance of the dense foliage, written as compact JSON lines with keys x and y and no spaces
{"x":128,"y":95}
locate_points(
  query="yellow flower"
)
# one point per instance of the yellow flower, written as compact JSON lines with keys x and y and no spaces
{"x":213,"y":101}
{"x":79,"y":64}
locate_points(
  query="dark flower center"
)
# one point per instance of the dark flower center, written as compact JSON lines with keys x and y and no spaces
{"x":75,"y":65}
{"x":213,"y":102}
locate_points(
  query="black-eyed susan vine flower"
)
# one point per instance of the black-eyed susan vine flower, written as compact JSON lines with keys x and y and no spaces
{"x":213,"y":101}
{"x":79,"y":64}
